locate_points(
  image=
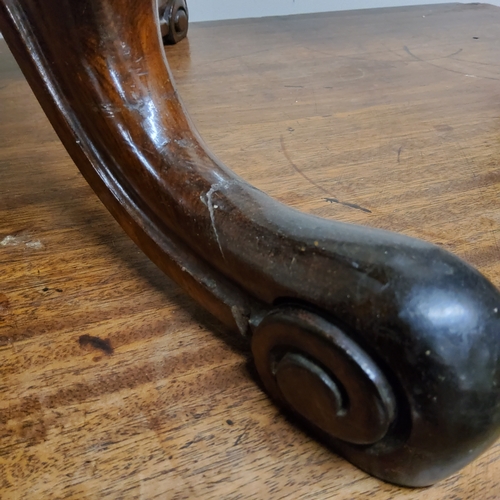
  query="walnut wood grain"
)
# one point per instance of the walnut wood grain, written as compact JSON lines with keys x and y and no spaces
{"x":31,"y":244}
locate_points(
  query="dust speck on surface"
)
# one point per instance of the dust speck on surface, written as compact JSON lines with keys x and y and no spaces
{"x":35,"y":245}
{"x":21,"y":239}
{"x":11,"y":241}
{"x":4,"y":302}
{"x":103,"y":345}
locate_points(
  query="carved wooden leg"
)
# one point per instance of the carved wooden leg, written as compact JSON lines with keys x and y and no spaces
{"x":389,"y":347}
{"x":174,"y":20}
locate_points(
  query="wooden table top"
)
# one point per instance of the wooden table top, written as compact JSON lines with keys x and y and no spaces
{"x":387,"y":118}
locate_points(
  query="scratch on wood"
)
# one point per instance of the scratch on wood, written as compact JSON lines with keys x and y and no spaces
{"x":399,"y":154}
{"x":330,"y":198}
{"x":350,"y":205}
{"x":187,"y":445}
{"x":211,"y":210}
{"x":413,"y":56}
{"x":241,"y":318}
{"x":239,"y":438}
{"x":297,"y":169}
{"x":455,"y":53}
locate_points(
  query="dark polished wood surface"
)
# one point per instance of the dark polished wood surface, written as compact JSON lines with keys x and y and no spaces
{"x":393,"y":113}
